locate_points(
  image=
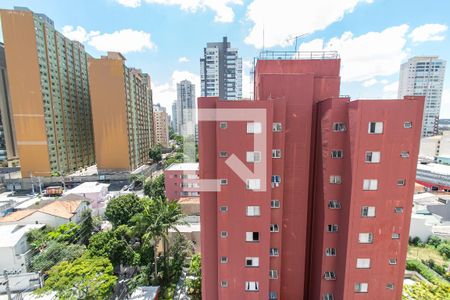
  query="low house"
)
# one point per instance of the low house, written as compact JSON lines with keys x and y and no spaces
{"x":14,"y":246}
{"x":145,"y":293}
{"x":190,"y":206}
{"x":96,"y":192}
{"x":53,"y":214}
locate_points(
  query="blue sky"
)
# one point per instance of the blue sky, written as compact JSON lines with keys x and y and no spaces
{"x":166,"y":37}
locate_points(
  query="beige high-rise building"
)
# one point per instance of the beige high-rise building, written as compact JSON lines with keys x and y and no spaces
{"x":161,"y":125}
{"x":121,"y":113}
{"x":49,"y":92}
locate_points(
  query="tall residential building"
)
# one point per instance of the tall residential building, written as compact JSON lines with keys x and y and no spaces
{"x":161,"y":125}
{"x":121,"y":105}
{"x":49,"y":91}
{"x":173,"y":119}
{"x":185,"y":107}
{"x":327,"y":213}
{"x":424,"y":76}
{"x":221,"y":71}
{"x":8,"y":147}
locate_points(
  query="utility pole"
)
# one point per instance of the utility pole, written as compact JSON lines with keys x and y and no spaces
{"x":8,"y":291}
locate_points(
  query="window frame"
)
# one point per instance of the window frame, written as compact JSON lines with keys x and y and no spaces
{"x":337,"y":154}
{"x":371,"y":153}
{"x":253,"y":211}
{"x":377,"y":129}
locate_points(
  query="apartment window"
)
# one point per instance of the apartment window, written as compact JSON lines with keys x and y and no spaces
{"x":330,"y":252}
{"x":334,"y":204}
{"x":337,"y":154}
{"x":224,"y":283}
{"x":339,"y":127}
{"x":223,"y":154}
{"x":274,"y":228}
{"x":332,"y":227}
{"x":375,"y":127}
{"x":223,"y":125}
{"x":335,"y":179}
{"x":223,"y":259}
{"x":370,"y":184}
{"x":275,"y":204}
{"x":390,"y":286}
{"x":253,"y":156}
{"x":223,"y":209}
{"x":329,"y":276}
{"x":361,"y":287}
{"x":277,"y":127}
{"x":252,"y":236}
{"x":276,"y":180}
{"x":273,"y":295}
{"x":254,"y":127}
{"x":373,"y":157}
{"x":392,"y":261}
{"x":252,"y":286}
{"x":368,"y":211}
{"x":395,"y":236}
{"x":223,"y":181}
{"x":407,"y":125}
{"x":363,"y":263}
{"x":398,"y":210}
{"x":276,"y":153}
{"x":365,"y":238}
{"x":253,"y":211}
{"x":253,"y":184}
{"x":404,"y":154}
{"x":401,"y":182}
{"x":252,"y":262}
{"x":328,"y":296}
{"x":274,"y":252}
{"x":224,"y":234}
{"x":273,"y":274}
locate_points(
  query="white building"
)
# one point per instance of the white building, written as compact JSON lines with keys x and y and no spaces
{"x":424,"y":76}
{"x":53,"y":214}
{"x":221,"y":71}
{"x":95,"y":192}
{"x":14,"y":246}
{"x":435,"y":147}
{"x":185,"y":108}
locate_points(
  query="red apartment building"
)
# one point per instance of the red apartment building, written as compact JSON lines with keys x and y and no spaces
{"x":181,"y":180}
{"x":334,"y":221}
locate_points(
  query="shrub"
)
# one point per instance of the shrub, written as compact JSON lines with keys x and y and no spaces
{"x":444,"y":250}
{"x":434,"y":241}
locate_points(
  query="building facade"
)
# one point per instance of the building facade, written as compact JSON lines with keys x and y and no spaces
{"x":330,"y":209}
{"x":185,"y":108}
{"x":173,"y":119}
{"x":221,"y":71}
{"x":121,"y":111}
{"x":424,"y":76}
{"x":161,"y":125}
{"x":49,"y":92}
{"x":181,"y":181}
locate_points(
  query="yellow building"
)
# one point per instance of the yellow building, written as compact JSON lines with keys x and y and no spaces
{"x":161,"y":125}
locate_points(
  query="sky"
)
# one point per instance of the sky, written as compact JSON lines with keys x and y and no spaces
{"x":165,"y":38}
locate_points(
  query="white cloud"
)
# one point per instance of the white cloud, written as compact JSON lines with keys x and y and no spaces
{"x":284,"y":19}
{"x":166,"y":93}
{"x":366,"y":56}
{"x":223,"y":12}
{"x":428,"y":32}
{"x":130,"y":3}
{"x":183,"y":59}
{"x":369,"y":82}
{"x":124,"y":41}
{"x":445,"y":104}
{"x":390,"y":90}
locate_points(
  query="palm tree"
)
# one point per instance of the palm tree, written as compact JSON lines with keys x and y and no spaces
{"x":155,"y":221}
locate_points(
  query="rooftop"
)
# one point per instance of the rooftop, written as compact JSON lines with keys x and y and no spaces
{"x":88,"y":187}
{"x":183,"y":167}
{"x":145,"y":293}
{"x":426,"y":199}
{"x":11,"y":234}
{"x":435,"y":168}
{"x":297,"y":55}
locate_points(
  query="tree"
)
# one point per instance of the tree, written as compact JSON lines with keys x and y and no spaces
{"x":444,"y":250}
{"x":86,"y":227}
{"x":424,"y":291}
{"x":194,"y":284}
{"x":115,"y":245}
{"x":38,"y":238}
{"x":54,"y":253}
{"x":85,"y":278}
{"x":434,"y":241}
{"x":155,"y":188}
{"x":120,"y":210}
{"x":155,"y":153}
{"x":65,"y":233}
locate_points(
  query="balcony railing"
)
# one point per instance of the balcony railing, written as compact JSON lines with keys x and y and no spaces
{"x":297,"y":55}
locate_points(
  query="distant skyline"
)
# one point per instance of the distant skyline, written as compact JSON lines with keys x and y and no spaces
{"x":166,"y":38}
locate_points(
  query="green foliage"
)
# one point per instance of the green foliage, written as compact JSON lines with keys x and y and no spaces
{"x":54,"y":253}
{"x":424,"y":291}
{"x":155,"y":153}
{"x":121,"y":209}
{"x":422,"y":269}
{"x":65,"y":233}
{"x":174,"y":159}
{"x":86,"y":227}
{"x":416,"y":241}
{"x":155,"y":188}
{"x":38,"y":238}
{"x":444,"y":250}
{"x":115,"y":245}
{"x":85,"y":278}
{"x":168,"y":293}
{"x":440,"y":269}
{"x":194,"y":285}
{"x":434,"y":241}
